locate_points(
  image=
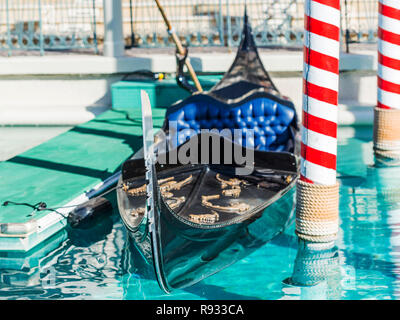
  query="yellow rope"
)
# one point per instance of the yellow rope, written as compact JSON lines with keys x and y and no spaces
{"x":387,"y":133}
{"x":317,"y":211}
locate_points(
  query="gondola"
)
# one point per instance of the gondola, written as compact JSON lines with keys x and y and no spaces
{"x":190,"y":215}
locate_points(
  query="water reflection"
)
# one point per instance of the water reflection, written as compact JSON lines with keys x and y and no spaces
{"x":386,"y":181}
{"x":138,"y":272}
{"x":369,"y":223}
{"x":21,"y":272}
{"x":72,"y":263}
{"x":366,"y":263}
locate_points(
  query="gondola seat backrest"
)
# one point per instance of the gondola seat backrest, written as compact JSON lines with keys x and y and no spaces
{"x":270,"y":119}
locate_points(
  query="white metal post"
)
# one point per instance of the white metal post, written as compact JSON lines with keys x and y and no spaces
{"x":114,"y":45}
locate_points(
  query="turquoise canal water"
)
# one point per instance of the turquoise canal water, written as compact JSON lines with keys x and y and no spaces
{"x":365,"y":263}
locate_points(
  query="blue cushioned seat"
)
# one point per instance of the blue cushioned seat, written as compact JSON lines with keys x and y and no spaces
{"x":269,"y":119}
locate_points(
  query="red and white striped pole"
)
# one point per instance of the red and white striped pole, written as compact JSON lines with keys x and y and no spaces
{"x":317,"y":189}
{"x":387,"y":113}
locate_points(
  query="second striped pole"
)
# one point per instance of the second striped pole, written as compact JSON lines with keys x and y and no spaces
{"x":387,"y":112}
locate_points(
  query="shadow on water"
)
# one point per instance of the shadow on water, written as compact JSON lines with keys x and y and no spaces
{"x":86,"y":237}
{"x":361,"y":261}
{"x":133,"y":262}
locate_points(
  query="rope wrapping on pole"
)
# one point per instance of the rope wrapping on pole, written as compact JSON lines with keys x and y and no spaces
{"x":387,"y":113}
{"x":317,"y":212}
{"x":316,"y":217}
{"x":387,"y":130}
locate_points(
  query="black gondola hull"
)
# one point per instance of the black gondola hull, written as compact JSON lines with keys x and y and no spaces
{"x":183,"y":252}
{"x":190,"y":255}
{"x":210,"y":223}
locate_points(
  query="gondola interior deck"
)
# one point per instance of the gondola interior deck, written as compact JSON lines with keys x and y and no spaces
{"x":192,"y":194}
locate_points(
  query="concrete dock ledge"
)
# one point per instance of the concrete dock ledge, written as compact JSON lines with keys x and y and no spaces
{"x":69,"y":89}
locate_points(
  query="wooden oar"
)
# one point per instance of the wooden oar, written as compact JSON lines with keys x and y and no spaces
{"x":179,"y":46}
